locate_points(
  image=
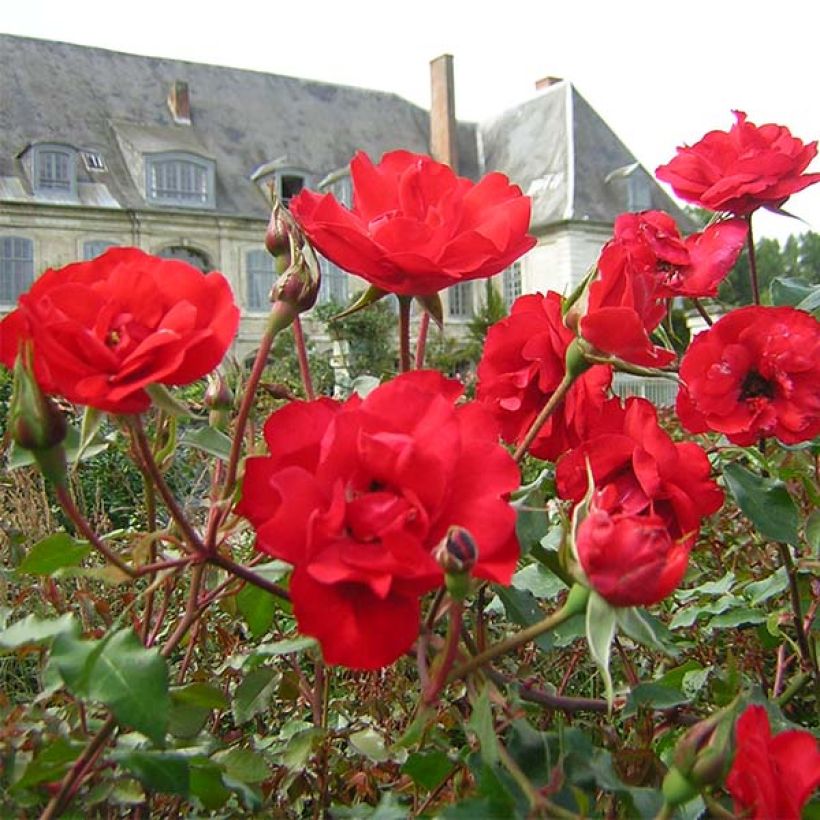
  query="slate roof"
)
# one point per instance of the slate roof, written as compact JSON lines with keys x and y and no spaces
{"x":555,"y":146}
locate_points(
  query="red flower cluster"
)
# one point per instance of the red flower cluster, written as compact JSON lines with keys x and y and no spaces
{"x":523,"y":363}
{"x":104,"y":330}
{"x":771,"y":777}
{"x":644,"y":263}
{"x":415,"y":226}
{"x":754,"y":373}
{"x":743,"y":169}
{"x":358,"y":495}
{"x":645,"y":511}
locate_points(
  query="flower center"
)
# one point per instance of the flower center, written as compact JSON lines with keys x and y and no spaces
{"x":113,"y":338}
{"x":755,"y":386}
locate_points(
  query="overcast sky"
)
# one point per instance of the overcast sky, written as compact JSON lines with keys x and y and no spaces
{"x":660,"y":73}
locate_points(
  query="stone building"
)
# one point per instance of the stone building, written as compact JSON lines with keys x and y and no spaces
{"x":99,"y":148}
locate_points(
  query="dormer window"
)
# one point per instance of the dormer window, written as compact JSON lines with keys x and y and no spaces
{"x":184,"y":180}
{"x":54,"y":171}
{"x":286,"y":181}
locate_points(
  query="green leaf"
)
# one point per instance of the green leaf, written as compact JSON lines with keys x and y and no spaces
{"x":35,"y":630}
{"x":522,"y":609}
{"x":207,"y":440}
{"x":165,"y":772}
{"x":427,"y":769}
{"x":481,"y":723}
{"x":206,"y":785}
{"x":52,"y":553}
{"x":742,"y":616}
{"x":257,"y":607}
{"x":813,"y":532}
{"x":370,"y":743}
{"x":765,"y":502}
{"x":120,"y":672}
{"x":601,"y":619}
{"x":719,"y":587}
{"x":200,"y":694}
{"x":162,"y":398}
{"x":654,"y":695}
{"x":50,"y":763}
{"x":760,"y":591}
{"x":539,"y":581}
{"x":787,"y":291}
{"x":191,"y":706}
{"x":640,"y":627}
{"x":530,"y":502}
{"x":244,"y":765}
{"x":286,"y":646}
{"x":253,"y":695}
{"x":18,"y":457}
{"x":812,"y":302}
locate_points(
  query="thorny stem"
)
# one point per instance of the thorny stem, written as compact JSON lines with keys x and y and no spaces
{"x":304,"y":364}
{"x":151,"y":525}
{"x":752,"y":263}
{"x":797,"y":615}
{"x":421,"y":341}
{"x":404,"y":333}
{"x":248,"y":575}
{"x":152,"y":468}
{"x":541,"y":419}
{"x":79,"y":521}
{"x":440,"y":678}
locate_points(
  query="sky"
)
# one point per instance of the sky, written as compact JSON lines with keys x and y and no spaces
{"x":660,"y":73}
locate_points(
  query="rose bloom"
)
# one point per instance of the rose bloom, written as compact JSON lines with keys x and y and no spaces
{"x":741,"y":170}
{"x":771,"y":777}
{"x":104,"y":330}
{"x":522,"y":364}
{"x":416,"y":227}
{"x":357,"y":495}
{"x":693,"y":266}
{"x":645,"y":512}
{"x":752,"y":374}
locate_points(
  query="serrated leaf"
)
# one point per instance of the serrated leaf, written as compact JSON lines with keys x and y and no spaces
{"x":654,"y":695}
{"x":200,"y":694}
{"x":765,"y":502}
{"x":427,"y":769}
{"x":121,"y":673}
{"x":244,"y":765}
{"x":760,"y":591}
{"x":742,"y":616}
{"x":165,"y":772}
{"x":812,"y":302}
{"x":601,"y":619}
{"x":522,"y":609}
{"x":257,"y":606}
{"x":253,"y":695}
{"x":286,"y":646}
{"x":206,"y":785}
{"x":50,"y":763}
{"x":52,"y":553}
{"x":719,"y":587}
{"x":539,"y":581}
{"x":481,"y":724}
{"x":35,"y":630}
{"x":371,"y":744}
{"x":635,"y":623}
{"x":788,"y":291}
{"x":208,"y":440}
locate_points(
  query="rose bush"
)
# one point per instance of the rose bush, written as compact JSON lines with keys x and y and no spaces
{"x":104,"y":330}
{"x":772,"y":777}
{"x":357,"y":496}
{"x":416,"y":227}
{"x":743,"y":169}
{"x":646,"y":508}
{"x":752,"y":374}
{"x":522,"y":364}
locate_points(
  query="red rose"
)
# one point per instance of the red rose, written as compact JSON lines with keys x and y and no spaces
{"x":693,"y":266}
{"x":356,"y":496}
{"x":754,"y":373}
{"x":742,"y":170}
{"x":771,"y":777}
{"x":416,"y":227}
{"x":104,"y":330}
{"x":645,"y":512}
{"x":522,"y":364}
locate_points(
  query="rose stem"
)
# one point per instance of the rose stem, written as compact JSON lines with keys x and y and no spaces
{"x":450,"y":650}
{"x":404,"y":334}
{"x":702,"y":311}
{"x":79,"y":521}
{"x":549,"y":408}
{"x":304,"y":364}
{"x":421,"y":342}
{"x":752,"y":263}
{"x":248,"y":575}
{"x":575,"y":603}
{"x":151,"y":524}
{"x":150,"y":465}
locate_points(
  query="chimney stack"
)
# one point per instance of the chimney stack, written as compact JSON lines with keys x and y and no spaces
{"x":443,"y":136}
{"x":179,"y":102}
{"x":546,"y":82}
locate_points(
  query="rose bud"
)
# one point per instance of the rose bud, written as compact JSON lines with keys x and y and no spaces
{"x":457,"y":554}
{"x":218,"y":399}
{"x":280,"y":226}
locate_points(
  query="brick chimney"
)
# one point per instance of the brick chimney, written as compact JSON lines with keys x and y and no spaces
{"x":546,"y":82}
{"x":179,"y":102}
{"x":443,"y":136}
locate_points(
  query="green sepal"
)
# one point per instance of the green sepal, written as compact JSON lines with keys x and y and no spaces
{"x":369,"y":297}
{"x":431,"y":303}
{"x":600,"y":627}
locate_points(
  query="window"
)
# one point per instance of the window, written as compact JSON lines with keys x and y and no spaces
{"x":54,"y":171}
{"x":259,"y":277}
{"x":93,"y":161}
{"x":334,"y":283}
{"x":289,"y":186}
{"x":460,"y":300}
{"x":180,"y":179}
{"x":16,"y":267}
{"x":95,"y":247}
{"x":511,"y":283}
{"x":638,"y":193}
{"x":192,"y":256}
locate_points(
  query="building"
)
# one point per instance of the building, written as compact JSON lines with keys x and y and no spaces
{"x":100,"y":148}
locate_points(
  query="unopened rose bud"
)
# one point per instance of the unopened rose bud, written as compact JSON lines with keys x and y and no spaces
{"x":296,"y":290}
{"x":280,"y":228}
{"x":457,"y":554}
{"x":218,"y":399}
{"x":35,"y":422}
